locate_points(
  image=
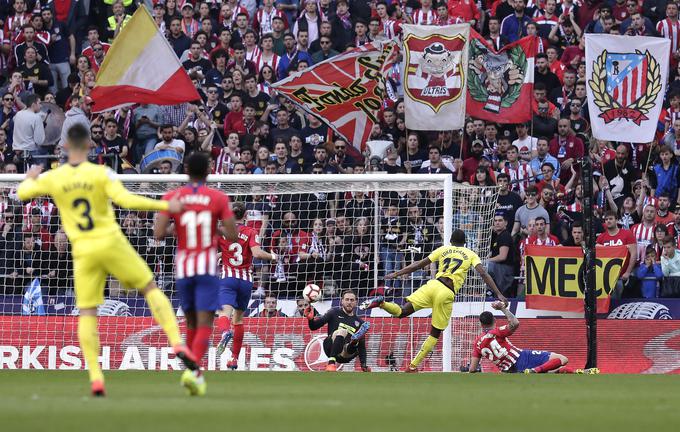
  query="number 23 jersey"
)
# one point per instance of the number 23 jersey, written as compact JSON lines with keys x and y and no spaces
{"x":237,"y":257}
{"x":454,"y":262}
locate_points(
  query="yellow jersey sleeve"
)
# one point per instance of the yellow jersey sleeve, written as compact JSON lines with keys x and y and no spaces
{"x":436,"y":254}
{"x":474,"y":259}
{"x":124,"y":198}
{"x":31,"y":188}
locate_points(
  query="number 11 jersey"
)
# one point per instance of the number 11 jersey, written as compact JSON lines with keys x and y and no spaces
{"x":453,"y":263}
{"x":196,"y":228}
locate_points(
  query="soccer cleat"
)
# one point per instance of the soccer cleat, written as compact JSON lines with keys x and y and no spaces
{"x":529,"y":371}
{"x":98,"y":388}
{"x":232,"y":364}
{"x":411,"y":369}
{"x":588,"y":371}
{"x":184,"y":353}
{"x":331,"y":367}
{"x":361,"y":332}
{"x":372,"y":303}
{"x":194,"y":382}
{"x":226,"y":337}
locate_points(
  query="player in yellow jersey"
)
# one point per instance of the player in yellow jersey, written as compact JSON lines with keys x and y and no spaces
{"x":453,"y":263}
{"x":83,"y":193}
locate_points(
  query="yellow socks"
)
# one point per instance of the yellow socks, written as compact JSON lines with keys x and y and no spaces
{"x":427,"y":347}
{"x":162,"y":312}
{"x":391,"y":308}
{"x":89,"y":344}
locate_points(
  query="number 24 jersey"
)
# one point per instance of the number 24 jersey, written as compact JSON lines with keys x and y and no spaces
{"x":495,"y":346}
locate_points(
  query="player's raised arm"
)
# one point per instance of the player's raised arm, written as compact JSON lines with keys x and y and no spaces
{"x":513,"y":322}
{"x":316,"y":323}
{"x":410,"y":268}
{"x":126,"y":199}
{"x":34,"y":185}
{"x":490,"y":283}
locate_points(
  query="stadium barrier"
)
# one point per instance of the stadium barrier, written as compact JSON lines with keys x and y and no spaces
{"x":625,"y":346}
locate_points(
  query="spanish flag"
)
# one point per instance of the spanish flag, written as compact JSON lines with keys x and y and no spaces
{"x":141,"y":67}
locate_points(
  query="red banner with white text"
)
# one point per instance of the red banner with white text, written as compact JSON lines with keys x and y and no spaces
{"x":624,"y":346}
{"x":345,"y":91}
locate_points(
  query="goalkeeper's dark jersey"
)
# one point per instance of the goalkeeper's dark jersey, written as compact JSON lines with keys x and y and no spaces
{"x":336,"y":318}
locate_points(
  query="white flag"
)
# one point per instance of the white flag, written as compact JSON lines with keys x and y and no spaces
{"x":626,"y":83}
{"x":435,"y":84}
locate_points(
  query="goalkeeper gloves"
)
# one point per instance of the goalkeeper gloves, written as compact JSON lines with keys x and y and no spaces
{"x":309,"y":313}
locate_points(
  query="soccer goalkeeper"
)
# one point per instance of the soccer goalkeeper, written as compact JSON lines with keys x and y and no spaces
{"x":438,"y":294}
{"x":346,"y":332}
{"x":83,"y":193}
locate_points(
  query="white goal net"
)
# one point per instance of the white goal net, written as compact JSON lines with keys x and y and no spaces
{"x":337,"y":231}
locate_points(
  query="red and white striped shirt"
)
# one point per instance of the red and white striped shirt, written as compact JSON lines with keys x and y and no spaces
{"x":237,"y":257}
{"x":644,"y":235}
{"x":670,"y":30}
{"x":423,"y":17}
{"x":47,"y":210}
{"x":260,"y":60}
{"x":390,"y":28}
{"x":262,"y":22}
{"x":495,"y":346}
{"x":253,"y":54}
{"x":520,"y":176}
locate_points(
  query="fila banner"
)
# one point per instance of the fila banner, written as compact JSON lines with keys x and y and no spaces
{"x":554,"y":276}
{"x":500,"y":83}
{"x":626,"y":83}
{"x":345,"y":91}
{"x":435,"y":71}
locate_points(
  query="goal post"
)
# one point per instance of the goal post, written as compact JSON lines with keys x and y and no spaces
{"x":337,"y":231}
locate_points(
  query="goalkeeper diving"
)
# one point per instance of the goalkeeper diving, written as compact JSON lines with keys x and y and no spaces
{"x":346,"y":332}
{"x":453,"y":263}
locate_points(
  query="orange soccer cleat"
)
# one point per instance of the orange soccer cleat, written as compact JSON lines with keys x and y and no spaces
{"x":331,"y":367}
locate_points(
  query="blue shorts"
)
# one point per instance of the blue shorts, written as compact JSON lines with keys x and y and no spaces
{"x":235,"y":293}
{"x":529,"y":359}
{"x":198,"y":293}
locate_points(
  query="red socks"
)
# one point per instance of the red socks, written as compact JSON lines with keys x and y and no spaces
{"x":222,"y":324}
{"x":191,"y":335}
{"x":201,"y":342}
{"x":548,"y":366}
{"x":238,"y":340}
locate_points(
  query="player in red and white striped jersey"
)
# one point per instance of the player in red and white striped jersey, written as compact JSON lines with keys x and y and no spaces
{"x":425,"y":15}
{"x":237,"y":262}
{"x":495,"y":346}
{"x":196,"y":259}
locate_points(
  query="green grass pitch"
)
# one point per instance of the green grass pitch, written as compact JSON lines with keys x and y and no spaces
{"x":287,"y":401}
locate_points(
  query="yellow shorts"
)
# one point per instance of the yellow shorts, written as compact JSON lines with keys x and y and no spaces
{"x":437,"y":296}
{"x":95,"y":259}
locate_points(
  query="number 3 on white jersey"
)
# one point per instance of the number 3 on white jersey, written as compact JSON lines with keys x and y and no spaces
{"x":496,"y":350}
{"x":191,"y":221}
{"x":237,"y":252}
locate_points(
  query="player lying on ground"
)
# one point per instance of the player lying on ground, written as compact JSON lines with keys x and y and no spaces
{"x":237,"y":285}
{"x":495,"y":346}
{"x":83,"y":193}
{"x":196,"y":259}
{"x":453,"y":264}
{"x":346,"y":332}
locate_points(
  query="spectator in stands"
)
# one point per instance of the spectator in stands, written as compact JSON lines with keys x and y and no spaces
{"x":529,"y":211}
{"x":29,"y":131}
{"x":169,"y":142}
{"x":543,"y":156}
{"x":269,"y":310}
{"x":25,"y":263}
{"x":81,"y":108}
{"x":576,"y":237}
{"x":621,"y":174}
{"x":501,"y":258}
{"x":670,"y":260}
{"x":392,"y":240}
{"x":650,"y":275}
{"x":301,"y":305}
{"x":508,"y":201}
{"x":615,"y":236}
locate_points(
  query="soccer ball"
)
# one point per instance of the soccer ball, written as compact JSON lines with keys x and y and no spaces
{"x":311,"y":293}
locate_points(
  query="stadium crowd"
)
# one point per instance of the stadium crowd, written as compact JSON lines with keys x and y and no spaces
{"x":234,"y":50}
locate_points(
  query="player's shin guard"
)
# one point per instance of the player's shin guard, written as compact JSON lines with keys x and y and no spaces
{"x":238,"y":340}
{"x":427,"y":347}
{"x":548,"y":366}
{"x":201,"y":342}
{"x":222,"y":324}
{"x":89,"y":343}
{"x":391,"y":308}
{"x":162,"y":312}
